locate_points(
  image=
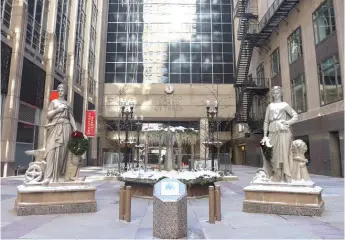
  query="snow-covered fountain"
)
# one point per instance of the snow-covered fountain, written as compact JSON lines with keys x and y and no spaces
{"x":196,"y":176}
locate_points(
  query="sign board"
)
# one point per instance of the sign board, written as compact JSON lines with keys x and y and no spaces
{"x":170,"y":190}
{"x":90,"y":123}
{"x":53,"y":95}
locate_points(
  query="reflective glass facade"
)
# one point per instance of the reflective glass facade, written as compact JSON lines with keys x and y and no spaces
{"x":176,"y":41}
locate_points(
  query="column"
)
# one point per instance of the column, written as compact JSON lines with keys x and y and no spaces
{"x":100,"y":72}
{"x":203,"y":136}
{"x":71,"y":51}
{"x":169,"y":161}
{"x":11,"y":108}
{"x":100,"y":54}
{"x":49,"y":57}
{"x":85,"y":80}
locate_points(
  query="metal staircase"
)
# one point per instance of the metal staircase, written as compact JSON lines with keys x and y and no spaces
{"x":253,"y":34}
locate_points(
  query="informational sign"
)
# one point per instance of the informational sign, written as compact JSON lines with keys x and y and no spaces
{"x":90,"y":123}
{"x":170,"y":188}
{"x":53,"y":95}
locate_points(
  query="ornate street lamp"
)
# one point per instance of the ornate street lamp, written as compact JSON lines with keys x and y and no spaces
{"x":139,"y":125}
{"x":212,"y":114}
{"x":127,"y":108}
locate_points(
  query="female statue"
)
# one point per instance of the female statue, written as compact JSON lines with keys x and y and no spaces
{"x":59,"y":128}
{"x":279,"y":116}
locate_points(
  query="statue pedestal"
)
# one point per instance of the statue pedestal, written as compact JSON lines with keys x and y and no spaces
{"x":299,"y":198}
{"x":55,"y":198}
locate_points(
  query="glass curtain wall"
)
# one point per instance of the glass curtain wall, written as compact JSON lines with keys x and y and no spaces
{"x":164,"y":41}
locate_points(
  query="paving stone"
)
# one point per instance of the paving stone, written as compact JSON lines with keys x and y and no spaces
{"x":235,"y":224}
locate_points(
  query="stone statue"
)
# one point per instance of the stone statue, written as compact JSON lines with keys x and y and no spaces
{"x":59,"y":129}
{"x":279,"y":116}
{"x":299,"y":169}
{"x":55,"y":160}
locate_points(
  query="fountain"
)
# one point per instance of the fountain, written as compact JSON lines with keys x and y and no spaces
{"x":197,"y":180}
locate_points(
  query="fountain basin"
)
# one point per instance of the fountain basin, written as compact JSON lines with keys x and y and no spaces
{"x":197,"y":183}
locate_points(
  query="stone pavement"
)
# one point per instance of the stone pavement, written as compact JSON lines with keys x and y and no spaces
{"x":104,"y":224}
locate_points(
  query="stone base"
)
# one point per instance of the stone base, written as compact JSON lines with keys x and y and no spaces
{"x":56,"y":209}
{"x":170,"y":218}
{"x":145,"y":190}
{"x":283,"y":209}
{"x":56,"y":198}
{"x":284,"y":199}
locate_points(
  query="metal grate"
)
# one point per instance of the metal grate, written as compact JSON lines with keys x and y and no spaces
{"x":27,"y":113}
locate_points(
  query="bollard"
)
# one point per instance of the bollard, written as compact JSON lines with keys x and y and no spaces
{"x":211,"y":204}
{"x":218,"y":204}
{"x":128,"y":203}
{"x":122,"y":203}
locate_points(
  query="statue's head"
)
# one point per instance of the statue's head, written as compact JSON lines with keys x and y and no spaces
{"x":277,"y":93}
{"x":62,"y":90}
{"x":299,"y":148}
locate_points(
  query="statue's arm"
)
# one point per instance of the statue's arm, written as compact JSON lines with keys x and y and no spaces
{"x":266,"y":121}
{"x":293,"y":115}
{"x":51,"y":111}
{"x":72,"y":121}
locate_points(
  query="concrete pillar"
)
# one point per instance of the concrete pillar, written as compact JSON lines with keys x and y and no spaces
{"x":203,"y":136}
{"x":49,"y":57}
{"x":339,"y":22}
{"x":341,"y":141}
{"x":100,"y":61}
{"x":169,"y":159}
{"x":10,"y":114}
{"x":100,"y":50}
{"x":71,"y":51}
{"x":85,"y":80}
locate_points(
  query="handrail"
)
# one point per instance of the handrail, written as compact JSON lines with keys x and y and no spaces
{"x":269,"y":13}
{"x":258,"y":82}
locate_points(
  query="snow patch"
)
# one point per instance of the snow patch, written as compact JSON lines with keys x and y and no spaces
{"x":155,"y":175}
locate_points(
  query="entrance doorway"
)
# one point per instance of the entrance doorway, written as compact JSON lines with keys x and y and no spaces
{"x":241,"y":154}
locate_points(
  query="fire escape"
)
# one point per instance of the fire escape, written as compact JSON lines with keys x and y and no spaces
{"x":253,"y":34}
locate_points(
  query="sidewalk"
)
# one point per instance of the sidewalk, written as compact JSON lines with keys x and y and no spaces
{"x":104,"y":224}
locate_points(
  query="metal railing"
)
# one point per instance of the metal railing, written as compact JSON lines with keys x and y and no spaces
{"x":258,"y":82}
{"x":114,"y":162}
{"x":270,"y":12}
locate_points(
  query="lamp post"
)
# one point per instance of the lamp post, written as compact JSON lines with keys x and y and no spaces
{"x":212,"y":114}
{"x":127,"y":114}
{"x":139,"y":124}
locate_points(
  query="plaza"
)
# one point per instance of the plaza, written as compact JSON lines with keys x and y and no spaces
{"x":161,"y":102}
{"x":235,"y":224}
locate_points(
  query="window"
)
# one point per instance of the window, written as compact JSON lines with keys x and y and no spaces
{"x":37,"y":24}
{"x":92,"y":48}
{"x":61,"y":30}
{"x":260,"y":74}
{"x":330,"y":81}
{"x":295,"y":45}
{"x":6,"y":12}
{"x":299,"y":94}
{"x":79,"y":43}
{"x":324,"y":21}
{"x":275,"y":63}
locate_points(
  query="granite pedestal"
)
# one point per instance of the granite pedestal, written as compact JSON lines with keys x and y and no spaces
{"x":170,"y":209}
{"x":55,"y":198}
{"x":301,"y":198}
